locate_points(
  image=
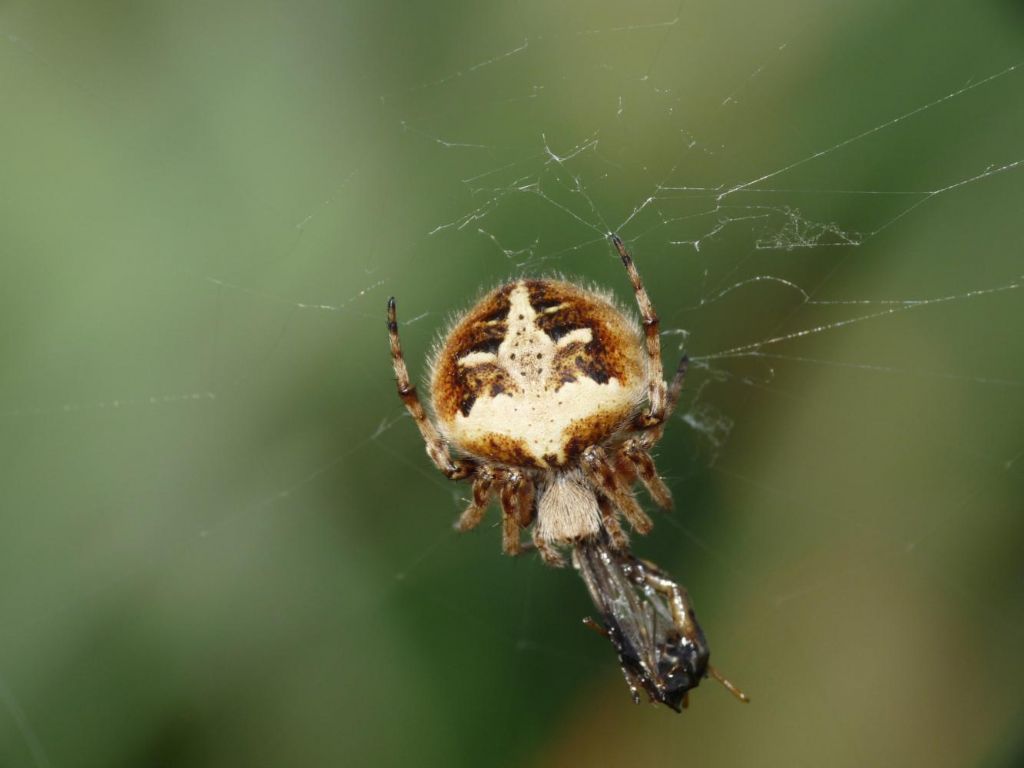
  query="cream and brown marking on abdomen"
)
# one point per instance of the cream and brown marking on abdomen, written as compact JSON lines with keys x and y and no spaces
{"x":537,"y":371}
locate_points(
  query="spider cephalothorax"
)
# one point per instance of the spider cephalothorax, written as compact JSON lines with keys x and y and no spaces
{"x":553,"y":397}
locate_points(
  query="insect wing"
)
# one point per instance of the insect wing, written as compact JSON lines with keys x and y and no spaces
{"x":653,"y":654}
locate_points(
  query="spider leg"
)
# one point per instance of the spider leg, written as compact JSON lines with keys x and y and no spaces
{"x":516,"y":504}
{"x":607,"y":480}
{"x":548,"y":553}
{"x":483,"y":489}
{"x":437,"y":449}
{"x":640,"y":459}
{"x":618,"y":537}
{"x":636,"y":450}
{"x":652,"y":432}
{"x":656,"y":393}
{"x":526,"y":500}
{"x":625,"y":469}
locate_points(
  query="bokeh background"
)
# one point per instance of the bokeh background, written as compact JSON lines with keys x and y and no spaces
{"x":221,"y":542}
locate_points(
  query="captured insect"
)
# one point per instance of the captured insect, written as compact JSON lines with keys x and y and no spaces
{"x":552,"y":397}
{"x":649,"y":620}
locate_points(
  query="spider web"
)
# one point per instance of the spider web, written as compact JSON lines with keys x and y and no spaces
{"x":221,"y":524}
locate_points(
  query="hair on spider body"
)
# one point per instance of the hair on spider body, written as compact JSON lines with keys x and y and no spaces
{"x":552,"y":398}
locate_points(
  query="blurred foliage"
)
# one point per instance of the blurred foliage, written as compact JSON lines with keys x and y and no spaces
{"x":221,"y":542}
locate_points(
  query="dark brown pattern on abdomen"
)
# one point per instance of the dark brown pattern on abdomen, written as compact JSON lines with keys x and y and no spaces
{"x":456,"y":387}
{"x":484,"y":380}
{"x":591,"y":360}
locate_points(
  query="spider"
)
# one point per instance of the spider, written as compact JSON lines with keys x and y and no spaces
{"x":553,"y":397}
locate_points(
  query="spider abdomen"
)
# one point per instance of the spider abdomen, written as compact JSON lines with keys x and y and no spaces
{"x":537,"y":371}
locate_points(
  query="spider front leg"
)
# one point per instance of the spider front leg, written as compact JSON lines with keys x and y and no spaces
{"x":653,"y":432}
{"x":662,"y":399}
{"x":656,"y":390}
{"x":636,"y":450}
{"x":437,"y":449}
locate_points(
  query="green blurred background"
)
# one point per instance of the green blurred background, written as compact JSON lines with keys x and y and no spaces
{"x":221,"y":542}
